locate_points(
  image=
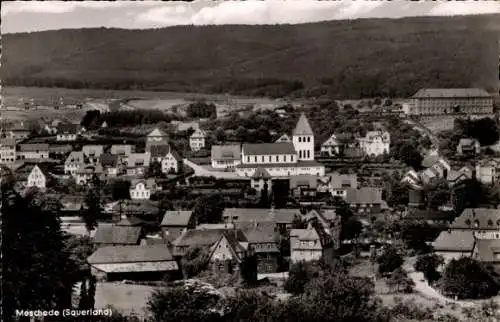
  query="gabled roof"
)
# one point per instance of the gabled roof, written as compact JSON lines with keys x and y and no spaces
{"x":131,"y":254}
{"x":343,"y":181}
{"x":304,"y":180}
{"x":199,"y":133}
{"x":76,"y":157}
{"x":305,"y":234}
{"x":256,"y":236}
{"x":454,"y":240}
{"x":178,"y":218}
{"x":486,"y":250}
{"x":175,"y":155}
{"x":33,"y":147}
{"x":148,"y":183}
{"x":68,"y":128}
{"x":365,"y":195}
{"x":226,"y":152}
{"x":303,"y":127}
{"x":8,"y":142}
{"x":429,"y":214}
{"x":331,"y":141}
{"x":468,"y":142}
{"x":268,"y":148}
{"x":159,"y":150}
{"x":234,"y":245}
{"x":130,"y":222}
{"x":282,"y":216}
{"x":117,"y":235}
{"x":205,"y":237}
{"x":108,"y":160}
{"x":478,"y":219}
{"x":451,"y":93}
{"x":134,"y":158}
{"x":261,"y":173}
{"x":283,"y":138}
{"x":157,"y":133}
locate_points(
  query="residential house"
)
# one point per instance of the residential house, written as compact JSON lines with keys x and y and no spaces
{"x":340,"y":183}
{"x":332,"y":146}
{"x":412,"y":177}
{"x":33,"y":151}
{"x":468,"y":147}
{"x":59,"y":151}
{"x":37,"y":176}
{"x":457,"y":176}
{"x":226,"y":254}
{"x":156,"y":137}
{"x":93,"y":152}
{"x":7,"y":151}
{"x":18,"y":133}
{"x":158,"y":152}
{"x":203,"y":238}
{"x":329,"y":222}
{"x":110,"y":164}
{"x":437,"y":168}
{"x":307,"y":245}
{"x":282,"y":219}
{"x":304,"y":186}
{"x":483,"y":222}
{"x":375,"y":143}
{"x":174,"y":223}
{"x":488,"y":171}
{"x":365,"y":200}
{"x":137,"y":163}
{"x":197,"y":140}
{"x":172,"y":162}
{"x":432,"y":217}
{"x":265,"y":245}
{"x":74,"y":162}
{"x":84,"y":174}
{"x":68,"y":132}
{"x":454,"y":244}
{"x":133,"y":262}
{"x":487,"y":251}
{"x":225,"y":156}
{"x":115,"y":235}
{"x":142,"y":188}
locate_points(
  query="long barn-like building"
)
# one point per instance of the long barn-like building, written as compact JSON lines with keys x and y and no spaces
{"x":442,"y":101}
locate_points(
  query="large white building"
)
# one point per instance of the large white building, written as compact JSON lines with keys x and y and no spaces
{"x":197,"y":140}
{"x":375,"y":143}
{"x":440,"y":101}
{"x":283,"y":159}
{"x":7,"y":151}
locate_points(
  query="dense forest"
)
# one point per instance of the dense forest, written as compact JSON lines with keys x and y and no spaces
{"x":339,"y":59}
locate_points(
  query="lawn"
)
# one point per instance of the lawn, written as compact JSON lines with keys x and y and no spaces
{"x":126,"y":298}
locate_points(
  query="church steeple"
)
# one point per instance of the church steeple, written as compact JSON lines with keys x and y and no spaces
{"x":303,"y":127}
{"x":303,"y":139}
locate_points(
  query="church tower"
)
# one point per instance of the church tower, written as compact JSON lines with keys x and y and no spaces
{"x":303,"y":139}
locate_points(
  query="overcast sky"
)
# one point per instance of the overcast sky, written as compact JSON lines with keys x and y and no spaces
{"x":24,"y":16}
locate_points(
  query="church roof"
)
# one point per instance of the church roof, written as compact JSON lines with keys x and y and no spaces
{"x":303,"y":127}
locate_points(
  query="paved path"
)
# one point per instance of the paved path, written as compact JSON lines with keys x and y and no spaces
{"x":201,"y":171}
{"x":422,"y":287}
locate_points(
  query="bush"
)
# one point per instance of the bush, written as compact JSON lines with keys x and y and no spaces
{"x":428,"y":264}
{"x":389,"y":260}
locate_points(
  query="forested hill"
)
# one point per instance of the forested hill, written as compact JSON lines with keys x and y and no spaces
{"x":368,"y":57}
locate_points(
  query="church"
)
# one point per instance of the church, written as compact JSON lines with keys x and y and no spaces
{"x":283,"y":159}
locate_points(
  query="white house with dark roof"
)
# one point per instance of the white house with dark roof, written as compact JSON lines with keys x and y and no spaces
{"x":142,"y":189}
{"x":137,"y":163}
{"x":74,"y":162}
{"x":172,"y":162}
{"x":306,"y":245}
{"x":197,"y":140}
{"x":33,"y":151}
{"x":468,"y":146}
{"x":68,"y":132}
{"x":375,"y":143}
{"x":225,"y":156}
{"x":93,"y":151}
{"x":331,"y":146}
{"x":156,"y":137}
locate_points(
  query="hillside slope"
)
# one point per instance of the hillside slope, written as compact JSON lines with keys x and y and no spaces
{"x":342,"y":58}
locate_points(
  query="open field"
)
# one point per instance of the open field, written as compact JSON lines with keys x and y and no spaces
{"x":126,"y":298}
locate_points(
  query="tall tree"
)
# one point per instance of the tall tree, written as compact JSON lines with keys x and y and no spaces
{"x":93,"y":212}
{"x":36,"y":271}
{"x":208,"y":209}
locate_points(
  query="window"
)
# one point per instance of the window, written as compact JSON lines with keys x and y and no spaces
{"x":269,"y":158}
{"x":300,"y":139}
{"x":284,"y":158}
{"x":308,"y":139}
{"x":277,"y":158}
{"x":262,"y":158}
{"x":308,"y":155}
{"x":300,"y":153}
{"x":255,"y":159}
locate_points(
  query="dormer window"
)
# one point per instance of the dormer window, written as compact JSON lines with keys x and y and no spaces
{"x":476,"y":223}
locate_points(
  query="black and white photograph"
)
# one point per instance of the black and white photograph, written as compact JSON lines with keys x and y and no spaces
{"x":250,"y":161}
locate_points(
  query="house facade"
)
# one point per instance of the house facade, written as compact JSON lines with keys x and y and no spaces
{"x":468,"y":147}
{"x":306,"y":245}
{"x":74,"y":162}
{"x":142,"y":189}
{"x":7,"y":151}
{"x":68,"y":132}
{"x":265,"y":246}
{"x":332,"y":146}
{"x":171,"y":163}
{"x":137,"y":163}
{"x":225,"y":156}
{"x":442,"y":101}
{"x":365,"y":200}
{"x":93,"y":152}
{"x":174,"y":223}
{"x":37,"y":178}
{"x":375,"y":143}
{"x":197,"y":140}
{"x":33,"y":151}
{"x":488,"y":171}
{"x":454,"y":244}
{"x":226,"y":254}
{"x":340,"y":183}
